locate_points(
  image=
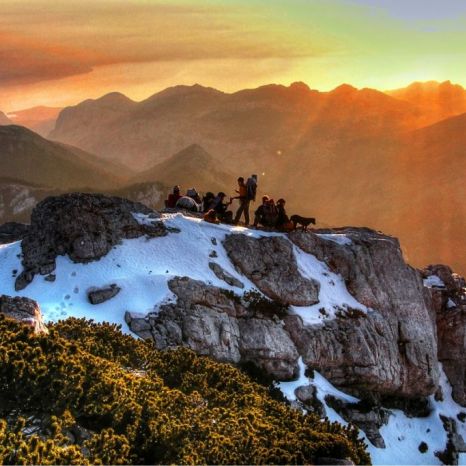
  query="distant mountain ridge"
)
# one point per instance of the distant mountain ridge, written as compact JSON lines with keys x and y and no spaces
{"x":4,"y":120}
{"x":39,"y":119}
{"x":191,"y":167}
{"x":145,"y":133}
{"x":348,"y":156}
{"x":436,"y":100}
{"x":26,"y":156}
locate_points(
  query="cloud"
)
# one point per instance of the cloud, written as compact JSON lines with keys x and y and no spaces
{"x":24,"y":60}
{"x":46,"y":40}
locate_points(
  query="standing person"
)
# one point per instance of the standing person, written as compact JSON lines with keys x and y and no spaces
{"x":243,"y":202}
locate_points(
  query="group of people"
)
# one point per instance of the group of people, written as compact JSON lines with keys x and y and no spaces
{"x":216,"y":209}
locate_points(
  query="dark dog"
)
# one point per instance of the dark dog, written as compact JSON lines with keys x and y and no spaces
{"x":303,"y":221}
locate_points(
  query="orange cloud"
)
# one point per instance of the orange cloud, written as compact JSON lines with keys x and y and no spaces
{"x":44,"y":40}
{"x":25,"y":60}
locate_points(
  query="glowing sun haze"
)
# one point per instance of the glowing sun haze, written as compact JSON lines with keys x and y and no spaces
{"x":59,"y":53}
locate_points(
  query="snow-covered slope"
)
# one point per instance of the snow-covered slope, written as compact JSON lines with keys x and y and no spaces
{"x":402,"y":434}
{"x":142,"y":268}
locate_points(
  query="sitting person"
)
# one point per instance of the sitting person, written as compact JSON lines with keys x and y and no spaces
{"x":221,"y":208}
{"x":211,"y":217}
{"x":173,"y":198}
{"x":266,"y":214}
{"x":194,"y":195}
{"x":208,"y":201}
{"x":188,"y":203}
{"x":283,"y":222}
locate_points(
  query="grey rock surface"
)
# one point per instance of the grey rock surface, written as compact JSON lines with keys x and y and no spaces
{"x":270,"y":264}
{"x":449,"y":302}
{"x":84,"y":226}
{"x":24,"y":310}
{"x":222,"y":274}
{"x":368,"y":420}
{"x":212,"y":322}
{"x":12,"y":231}
{"x":392,"y":350}
{"x":100,"y":295}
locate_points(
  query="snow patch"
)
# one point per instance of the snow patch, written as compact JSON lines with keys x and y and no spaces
{"x":402,"y":434}
{"x":333,"y":295}
{"x":338,"y":238}
{"x":433,"y":281}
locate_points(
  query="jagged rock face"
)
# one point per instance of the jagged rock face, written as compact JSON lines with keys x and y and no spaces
{"x":393,"y":349}
{"x":450,"y":306}
{"x":24,"y":310}
{"x":12,"y":231}
{"x":213,"y":323}
{"x":84,"y":226}
{"x":270,"y":264}
{"x":368,"y":420}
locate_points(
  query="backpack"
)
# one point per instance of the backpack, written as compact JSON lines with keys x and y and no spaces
{"x":251,"y":186}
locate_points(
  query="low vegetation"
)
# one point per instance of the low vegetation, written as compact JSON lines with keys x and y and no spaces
{"x":86,"y":393}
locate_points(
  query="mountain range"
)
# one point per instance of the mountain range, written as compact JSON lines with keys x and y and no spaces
{"x":39,"y":119}
{"x":389,"y":160}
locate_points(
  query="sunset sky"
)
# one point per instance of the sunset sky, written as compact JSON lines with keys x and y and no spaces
{"x":59,"y":53}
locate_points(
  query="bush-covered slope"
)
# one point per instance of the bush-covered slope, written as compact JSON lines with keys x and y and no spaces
{"x":88,"y":393}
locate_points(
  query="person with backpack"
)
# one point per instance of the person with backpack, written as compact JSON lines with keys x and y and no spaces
{"x":173,"y":198}
{"x":221,"y":208}
{"x":243,"y":202}
{"x":266,"y":214}
{"x":283,"y":222}
{"x":208,"y":201}
{"x":194,"y":195}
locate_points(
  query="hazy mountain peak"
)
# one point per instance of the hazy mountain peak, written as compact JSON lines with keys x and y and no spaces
{"x":114,"y":97}
{"x":181,"y":90}
{"x":193,"y":154}
{"x":4,"y":120}
{"x":299,"y":85}
{"x":344,"y":89}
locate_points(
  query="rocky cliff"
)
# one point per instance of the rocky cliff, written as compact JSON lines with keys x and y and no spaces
{"x":342,"y":302}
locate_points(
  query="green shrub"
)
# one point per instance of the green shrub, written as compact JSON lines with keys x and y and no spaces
{"x":138,"y":405}
{"x":259,"y":304}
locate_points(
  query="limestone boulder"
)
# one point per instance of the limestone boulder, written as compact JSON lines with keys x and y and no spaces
{"x":270,"y":264}
{"x":24,"y":310}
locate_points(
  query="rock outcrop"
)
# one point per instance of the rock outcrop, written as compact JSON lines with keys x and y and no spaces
{"x":448,"y":291}
{"x":270,"y":264}
{"x":100,"y":295}
{"x":224,"y":275}
{"x":23,"y":310}
{"x":390,"y":351}
{"x":12,"y":231}
{"x":214,"y":322}
{"x":84,"y":226}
